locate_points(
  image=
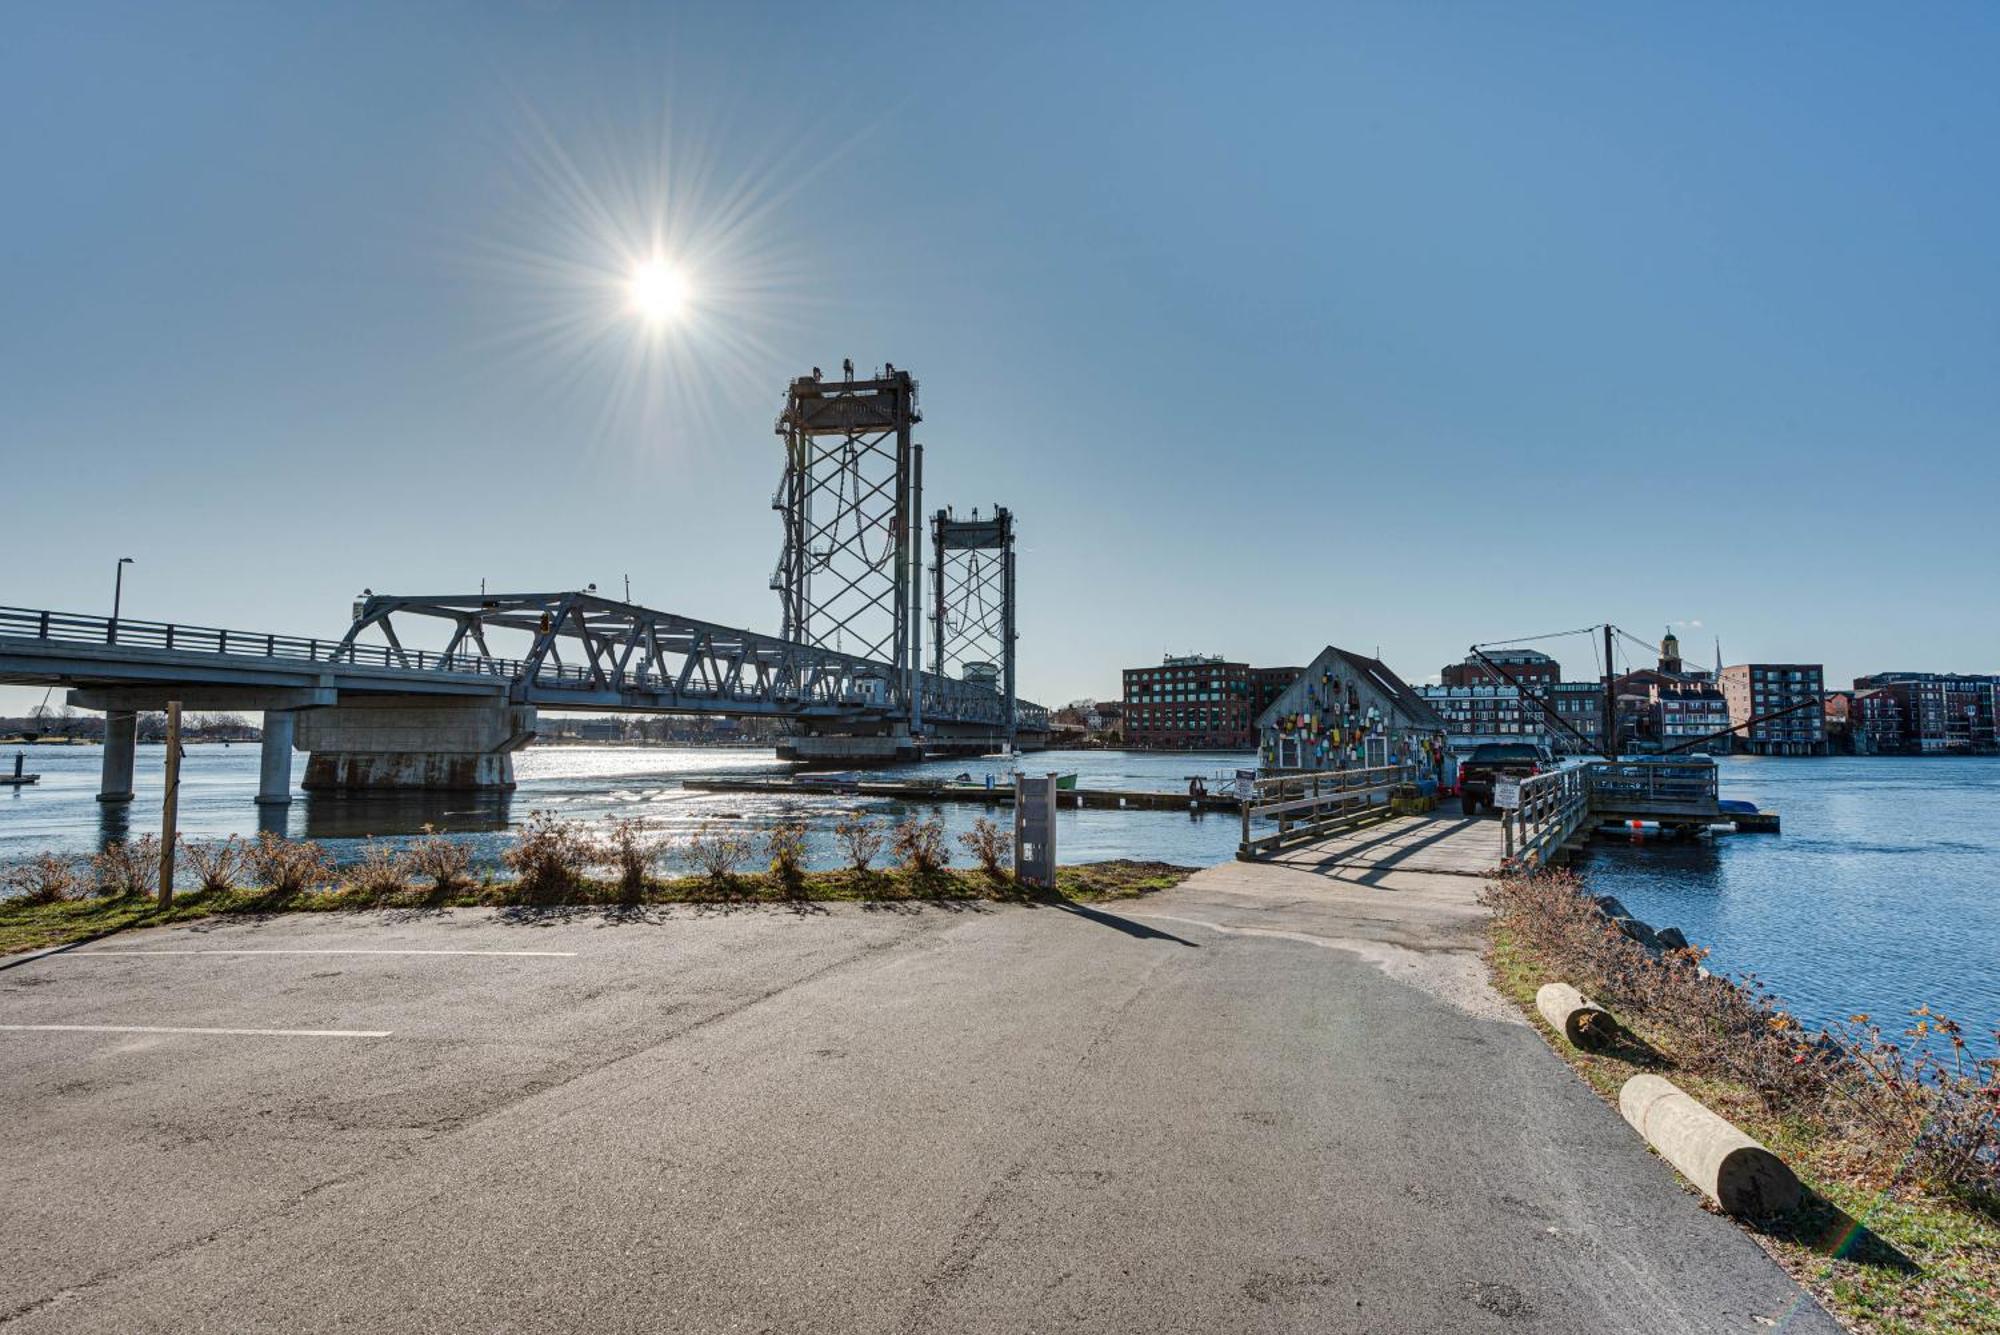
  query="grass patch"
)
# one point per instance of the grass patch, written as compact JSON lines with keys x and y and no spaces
{"x":37,"y":926}
{"x":1921,"y":1260}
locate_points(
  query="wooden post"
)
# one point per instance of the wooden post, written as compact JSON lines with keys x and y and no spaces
{"x":170,"y":808}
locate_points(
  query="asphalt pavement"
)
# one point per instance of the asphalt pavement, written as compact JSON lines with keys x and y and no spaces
{"x":1268,"y":1100}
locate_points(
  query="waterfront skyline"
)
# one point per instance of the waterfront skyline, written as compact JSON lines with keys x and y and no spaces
{"x":1310,"y":339}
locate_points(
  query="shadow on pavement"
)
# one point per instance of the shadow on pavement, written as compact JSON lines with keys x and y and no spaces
{"x":1116,"y":923}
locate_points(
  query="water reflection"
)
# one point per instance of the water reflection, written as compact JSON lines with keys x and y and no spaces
{"x":358,"y":815}
{"x":114,"y":823}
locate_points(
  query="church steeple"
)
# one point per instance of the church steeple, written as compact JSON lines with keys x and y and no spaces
{"x":1670,"y":654}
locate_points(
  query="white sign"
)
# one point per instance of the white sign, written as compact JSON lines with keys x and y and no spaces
{"x":1507,"y":793}
{"x":1246,"y":785}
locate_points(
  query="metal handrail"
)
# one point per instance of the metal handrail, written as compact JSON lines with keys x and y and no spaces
{"x":958,"y":701}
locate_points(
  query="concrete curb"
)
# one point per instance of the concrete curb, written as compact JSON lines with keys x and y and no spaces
{"x":1731,"y":1169}
{"x":1573,"y":1015}
{"x":30,"y":956}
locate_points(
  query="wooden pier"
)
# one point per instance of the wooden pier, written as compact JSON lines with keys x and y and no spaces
{"x":980,"y":794}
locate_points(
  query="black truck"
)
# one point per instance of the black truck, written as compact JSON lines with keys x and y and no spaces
{"x":1496,"y":760}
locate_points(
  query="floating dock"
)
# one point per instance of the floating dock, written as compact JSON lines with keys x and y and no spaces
{"x":998,"y":795}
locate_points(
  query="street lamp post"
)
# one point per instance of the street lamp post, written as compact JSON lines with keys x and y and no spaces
{"x":118,"y":597}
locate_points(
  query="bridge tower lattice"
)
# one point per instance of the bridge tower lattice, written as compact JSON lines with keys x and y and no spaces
{"x":972,"y":606}
{"x":849,"y":576}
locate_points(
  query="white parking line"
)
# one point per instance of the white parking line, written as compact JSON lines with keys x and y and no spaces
{"x":540,"y":954}
{"x":177,"y":1029}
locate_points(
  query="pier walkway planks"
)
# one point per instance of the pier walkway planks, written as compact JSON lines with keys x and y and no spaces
{"x":1445,"y":844}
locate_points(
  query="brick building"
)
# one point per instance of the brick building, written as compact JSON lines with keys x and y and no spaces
{"x":1526,"y":666}
{"x":1754,"y":690}
{"x":1190,"y":703}
{"x":1199,"y":703}
{"x":1925,"y":713}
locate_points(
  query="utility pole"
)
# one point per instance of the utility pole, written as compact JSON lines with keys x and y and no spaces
{"x":1610,"y":702}
{"x":170,"y":808}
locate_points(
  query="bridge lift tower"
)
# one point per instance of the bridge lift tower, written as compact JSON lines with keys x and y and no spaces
{"x":850,"y":575}
{"x":972,"y":611}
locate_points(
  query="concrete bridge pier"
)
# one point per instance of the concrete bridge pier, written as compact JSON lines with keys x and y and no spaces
{"x":435,"y":742}
{"x":121,"y":741}
{"x":274,"y":773}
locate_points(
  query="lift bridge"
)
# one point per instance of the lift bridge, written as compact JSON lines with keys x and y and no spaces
{"x":376,"y":712}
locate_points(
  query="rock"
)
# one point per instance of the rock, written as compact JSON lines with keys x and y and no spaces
{"x":1609,"y":906}
{"x":1670,"y":938}
{"x":1639,"y":932}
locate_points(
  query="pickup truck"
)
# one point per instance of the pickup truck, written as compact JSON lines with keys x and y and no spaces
{"x":1496,"y":760}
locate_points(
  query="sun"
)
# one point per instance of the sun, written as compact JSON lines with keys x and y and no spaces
{"x":658,"y":292}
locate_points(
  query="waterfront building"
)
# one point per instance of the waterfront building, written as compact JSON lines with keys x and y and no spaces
{"x":1580,"y":704}
{"x":1267,"y":684}
{"x":1526,"y":666}
{"x":1837,"y":714}
{"x":1492,"y":712}
{"x":1348,"y":711}
{"x":1191,"y":702}
{"x":1926,"y":713}
{"x":1754,"y":690}
{"x":1198,"y":702}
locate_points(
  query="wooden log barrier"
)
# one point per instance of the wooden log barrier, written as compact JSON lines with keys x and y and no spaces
{"x":1573,"y":1015}
{"x":1731,"y":1169}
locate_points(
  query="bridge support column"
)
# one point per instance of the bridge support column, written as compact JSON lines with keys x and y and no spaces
{"x":274,"y":775}
{"x":414,"y":742}
{"x":121,"y":740}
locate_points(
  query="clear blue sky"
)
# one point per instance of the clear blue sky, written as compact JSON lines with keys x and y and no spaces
{"x":1397,"y":325}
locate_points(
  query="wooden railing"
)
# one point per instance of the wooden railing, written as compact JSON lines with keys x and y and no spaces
{"x":1311,"y":806}
{"x":1553,"y":807}
{"x":1663,"y":785}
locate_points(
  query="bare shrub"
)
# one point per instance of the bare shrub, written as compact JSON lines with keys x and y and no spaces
{"x":1943,"y":1111}
{"x":992,"y":846}
{"x":286,"y":866}
{"x":1924,"y":1101}
{"x":718,"y":849}
{"x":381,"y":872}
{"x":920,"y":846}
{"x":1718,"y":1026}
{"x":632,"y":852}
{"x":128,"y":867}
{"x":440,"y":859}
{"x":861,"y":841}
{"x":786,"y":845}
{"x":550,"y":856}
{"x":47,"y":879}
{"x":216,"y":862}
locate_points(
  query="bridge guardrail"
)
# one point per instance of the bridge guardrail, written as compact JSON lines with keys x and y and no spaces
{"x":127,"y":632}
{"x":956,"y":700}
{"x":1314,"y":804}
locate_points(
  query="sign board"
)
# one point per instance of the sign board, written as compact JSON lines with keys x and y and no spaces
{"x":1246,"y":785}
{"x":1506,"y":793}
{"x":1035,"y":831}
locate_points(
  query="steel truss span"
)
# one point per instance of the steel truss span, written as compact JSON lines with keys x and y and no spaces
{"x":588,"y":652}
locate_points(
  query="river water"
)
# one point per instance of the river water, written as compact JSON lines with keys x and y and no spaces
{"x":1882,"y":894}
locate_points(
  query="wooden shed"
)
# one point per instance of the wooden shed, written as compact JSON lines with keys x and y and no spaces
{"x":1349,"y":711}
